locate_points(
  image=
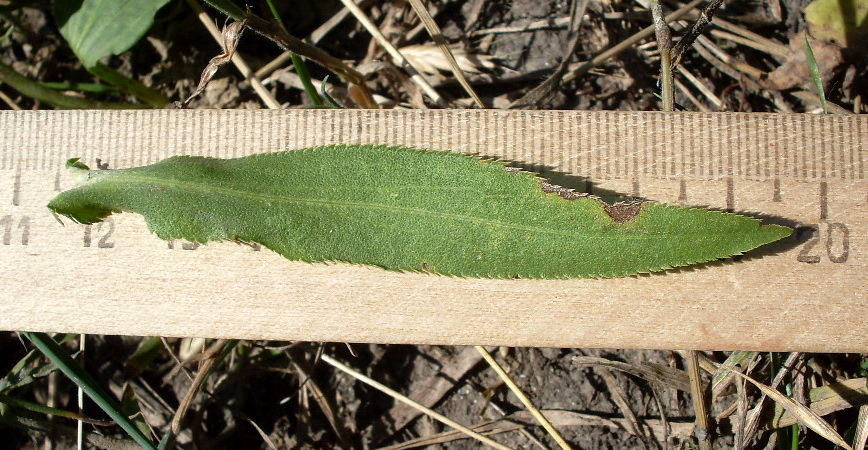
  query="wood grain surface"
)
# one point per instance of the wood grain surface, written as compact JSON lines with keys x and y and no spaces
{"x":806,"y":293}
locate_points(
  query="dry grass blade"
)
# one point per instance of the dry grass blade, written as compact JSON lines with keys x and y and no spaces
{"x":659,"y":374}
{"x":560,"y":418}
{"x":666,"y":429}
{"x":325,"y":404}
{"x":430,"y":60}
{"x":632,"y":421}
{"x":827,"y":399}
{"x":8,"y":100}
{"x":753,"y":418}
{"x":860,"y":438}
{"x":769,"y":46}
{"x":700,"y":401}
{"x":437,"y":35}
{"x":722,"y":378}
{"x":399,"y":58}
{"x":696,"y":82}
{"x":741,"y":408}
{"x":402,"y":398}
{"x":523,"y":398}
{"x":814,"y":99}
{"x":195,"y":387}
{"x":803,"y":414}
{"x":732,"y":37}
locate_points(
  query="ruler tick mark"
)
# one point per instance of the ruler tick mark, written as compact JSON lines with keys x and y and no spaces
{"x":16,"y":189}
{"x":730,"y":194}
{"x":824,"y":200}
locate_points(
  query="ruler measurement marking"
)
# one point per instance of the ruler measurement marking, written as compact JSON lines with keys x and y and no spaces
{"x":730,"y":194}
{"x":758,"y":142}
{"x":767,"y":147}
{"x":776,"y":151}
{"x":612,"y":154}
{"x":824,"y":168}
{"x":799,"y":129}
{"x":740,"y":163}
{"x":862,"y":129}
{"x":654,"y":146}
{"x":846,"y":167}
{"x":824,"y":201}
{"x":16,"y":188}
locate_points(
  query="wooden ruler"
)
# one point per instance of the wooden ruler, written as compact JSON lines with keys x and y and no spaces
{"x":807,"y":293}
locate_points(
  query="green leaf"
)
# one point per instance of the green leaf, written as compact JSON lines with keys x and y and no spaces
{"x":88,"y":385}
{"x":98,"y":28}
{"x":844,"y":23}
{"x":410,"y":210}
{"x":815,"y":74}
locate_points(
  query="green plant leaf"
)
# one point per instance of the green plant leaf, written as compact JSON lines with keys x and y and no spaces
{"x":57,"y":355}
{"x":409,"y":210}
{"x":844,"y":23}
{"x":98,"y":28}
{"x":815,"y":74}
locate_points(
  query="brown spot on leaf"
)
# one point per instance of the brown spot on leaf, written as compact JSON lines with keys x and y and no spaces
{"x":566,"y":193}
{"x":623,"y":212}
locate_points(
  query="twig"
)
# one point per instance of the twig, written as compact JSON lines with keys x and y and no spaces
{"x":553,"y":432}
{"x":664,"y":43}
{"x":287,"y":41}
{"x":627,"y":43}
{"x":313,"y":38}
{"x":695,"y":30}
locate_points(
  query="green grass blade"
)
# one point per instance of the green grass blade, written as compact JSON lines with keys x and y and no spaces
{"x":815,"y":74}
{"x":410,"y":210}
{"x":304,"y":76}
{"x":98,"y":28}
{"x":80,"y":377}
{"x":128,"y":85}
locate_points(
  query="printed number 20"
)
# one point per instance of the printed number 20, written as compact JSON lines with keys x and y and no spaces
{"x":837,"y":243}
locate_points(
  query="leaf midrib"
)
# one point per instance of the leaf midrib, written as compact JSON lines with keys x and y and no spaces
{"x":207,"y":189}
